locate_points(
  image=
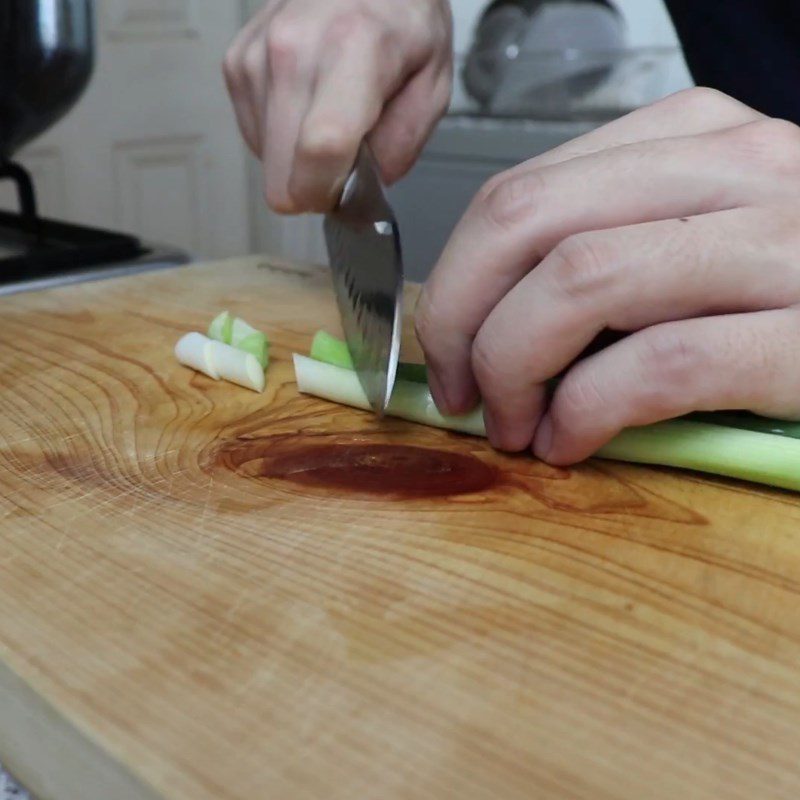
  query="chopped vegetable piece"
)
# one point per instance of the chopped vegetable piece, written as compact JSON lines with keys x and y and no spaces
{"x":194,"y":350}
{"x":331,"y":350}
{"x":416,"y":373}
{"x":241,"y":330}
{"x":236,"y":366}
{"x":733,"y":452}
{"x":334,"y":351}
{"x":257,"y":345}
{"x":411,"y":401}
{"x":221,"y":327}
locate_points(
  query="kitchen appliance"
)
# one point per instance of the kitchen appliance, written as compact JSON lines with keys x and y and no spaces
{"x":534,"y":75}
{"x":366,"y":261}
{"x":526,"y":51}
{"x":46,"y":61}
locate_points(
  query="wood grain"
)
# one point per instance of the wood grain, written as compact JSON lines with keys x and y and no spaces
{"x":177,"y":626}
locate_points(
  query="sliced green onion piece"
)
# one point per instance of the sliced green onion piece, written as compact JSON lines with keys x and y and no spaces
{"x":331,"y":350}
{"x":236,"y":366}
{"x":733,"y":452}
{"x":241,"y":330}
{"x":334,"y":351}
{"x":194,"y":350}
{"x":257,"y":345}
{"x":221,"y":327}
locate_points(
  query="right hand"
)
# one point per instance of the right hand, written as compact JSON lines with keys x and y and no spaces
{"x":310,"y":79}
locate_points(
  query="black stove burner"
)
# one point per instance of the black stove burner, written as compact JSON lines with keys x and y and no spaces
{"x":32,"y":247}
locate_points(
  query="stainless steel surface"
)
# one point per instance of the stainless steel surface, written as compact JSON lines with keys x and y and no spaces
{"x":459,"y":158}
{"x":366,"y":261}
{"x":9,"y":789}
{"x":158,"y":258}
{"x":46,"y":60}
{"x":524,"y":52}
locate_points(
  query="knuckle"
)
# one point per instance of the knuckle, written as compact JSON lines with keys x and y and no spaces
{"x":254,"y":62}
{"x":486,"y":360}
{"x":353,"y":22}
{"x":285,"y":40}
{"x":425,"y":320}
{"x":774,"y":143}
{"x":676,"y":364}
{"x":582,"y":267}
{"x":277,"y":200}
{"x":326,"y":140}
{"x":230,"y":66}
{"x":704,"y":98}
{"x":442,"y":99}
{"x":578,"y":395}
{"x":510,"y":198}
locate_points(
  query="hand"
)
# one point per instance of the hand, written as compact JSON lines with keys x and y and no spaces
{"x":309,"y":79}
{"x":678,"y":224}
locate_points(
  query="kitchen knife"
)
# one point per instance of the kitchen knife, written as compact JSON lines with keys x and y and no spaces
{"x":363,"y":243}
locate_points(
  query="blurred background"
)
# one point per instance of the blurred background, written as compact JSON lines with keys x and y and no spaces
{"x":151,"y":148}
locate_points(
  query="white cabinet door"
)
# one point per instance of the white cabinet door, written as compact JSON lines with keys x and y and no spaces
{"x":152,"y":147}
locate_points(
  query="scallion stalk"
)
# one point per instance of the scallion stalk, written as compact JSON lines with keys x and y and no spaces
{"x":334,"y":351}
{"x":734,"y":452}
{"x":221,"y":327}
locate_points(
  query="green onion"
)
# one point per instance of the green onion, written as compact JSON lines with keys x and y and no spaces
{"x":688,"y":443}
{"x":334,"y":351}
{"x":256,"y":344}
{"x":236,"y":332}
{"x":331,"y":350}
{"x":240,"y":331}
{"x":706,"y":447}
{"x":221,"y":327}
{"x":411,"y":401}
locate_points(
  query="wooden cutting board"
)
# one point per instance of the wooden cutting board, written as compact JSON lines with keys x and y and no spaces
{"x":182,"y":616}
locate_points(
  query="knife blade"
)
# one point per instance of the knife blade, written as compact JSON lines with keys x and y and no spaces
{"x":363,"y":242}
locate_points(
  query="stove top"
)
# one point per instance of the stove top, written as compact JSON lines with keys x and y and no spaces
{"x":36,"y":253}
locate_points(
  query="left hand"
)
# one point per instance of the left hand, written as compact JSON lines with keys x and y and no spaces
{"x":679,"y":225}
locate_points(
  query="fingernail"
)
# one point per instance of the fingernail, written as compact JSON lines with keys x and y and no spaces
{"x":490,"y":423}
{"x":543,"y":441}
{"x":437,"y":392}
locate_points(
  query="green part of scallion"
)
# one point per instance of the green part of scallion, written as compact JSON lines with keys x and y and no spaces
{"x":256,"y":344}
{"x":240,"y":330}
{"x":221,"y":327}
{"x":333,"y":350}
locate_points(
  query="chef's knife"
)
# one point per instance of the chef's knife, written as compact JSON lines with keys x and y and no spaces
{"x":364,"y":250}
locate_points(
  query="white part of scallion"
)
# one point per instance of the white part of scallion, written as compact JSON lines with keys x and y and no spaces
{"x":732,"y":452}
{"x":194,"y":350}
{"x":237,"y":366}
{"x":409,"y":401}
